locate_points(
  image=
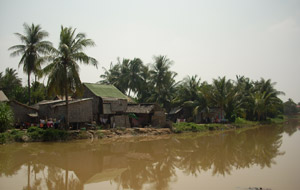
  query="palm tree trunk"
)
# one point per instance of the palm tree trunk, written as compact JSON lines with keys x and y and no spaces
{"x":28,"y":176}
{"x":29,"y":89}
{"x":67,"y":99}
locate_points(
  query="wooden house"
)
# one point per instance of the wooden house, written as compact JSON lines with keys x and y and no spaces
{"x":80,"y":110}
{"x":109,"y":104}
{"x":146,"y":114}
{"x":23,"y":113}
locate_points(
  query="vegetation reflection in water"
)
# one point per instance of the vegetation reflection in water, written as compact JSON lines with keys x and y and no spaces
{"x":134,"y":162}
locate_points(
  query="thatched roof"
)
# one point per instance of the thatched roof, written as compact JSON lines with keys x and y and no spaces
{"x":3,"y":97}
{"x":143,"y":108}
{"x":139,"y":108}
{"x":105,"y":91}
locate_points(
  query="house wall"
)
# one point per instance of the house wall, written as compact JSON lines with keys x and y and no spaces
{"x":120,"y":121}
{"x":96,"y":109}
{"x":119,"y":105}
{"x":114,"y":106}
{"x":79,"y":112}
{"x":21,"y":112}
{"x":158,"y":118}
{"x":45,"y":111}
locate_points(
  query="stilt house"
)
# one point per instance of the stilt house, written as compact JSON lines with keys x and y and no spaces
{"x":109,"y":104}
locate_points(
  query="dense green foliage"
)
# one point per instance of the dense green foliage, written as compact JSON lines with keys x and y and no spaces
{"x":33,"y":134}
{"x":244,"y":98}
{"x":6,"y":117}
{"x":290,"y":107}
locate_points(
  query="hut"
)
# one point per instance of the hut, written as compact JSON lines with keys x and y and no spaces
{"x":146,"y":114}
{"x":176,"y":114}
{"x":23,"y":113}
{"x":211,"y":115}
{"x":3,"y":97}
{"x":80,"y":110}
{"x":45,"y":108}
{"x":109,"y":104}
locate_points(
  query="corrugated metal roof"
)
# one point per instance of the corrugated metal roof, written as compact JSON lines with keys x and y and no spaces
{"x":71,"y":102}
{"x":105,"y":91}
{"x":3,"y":97}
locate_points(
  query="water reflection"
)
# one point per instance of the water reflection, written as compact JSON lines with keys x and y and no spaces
{"x":136,"y":162}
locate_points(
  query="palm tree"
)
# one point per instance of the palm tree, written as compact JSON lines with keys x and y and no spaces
{"x":112,"y":76}
{"x":134,"y":77}
{"x":144,"y":87}
{"x":190,"y":96}
{"x":162,"y":81}
{"x":31,"y":50}
{"x":160,"y":73}
{"x":63,"y":71}
{"x":265,"y":99}
{"x":125,"y":75}
{"x":221,"y":92}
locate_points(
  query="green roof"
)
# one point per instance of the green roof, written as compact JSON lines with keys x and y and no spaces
{"x":105,"y":91}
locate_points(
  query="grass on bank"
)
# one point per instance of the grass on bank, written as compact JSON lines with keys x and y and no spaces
{"x":239,"y":123}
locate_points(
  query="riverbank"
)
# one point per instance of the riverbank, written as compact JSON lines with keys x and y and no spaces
{"x":35,"y":134}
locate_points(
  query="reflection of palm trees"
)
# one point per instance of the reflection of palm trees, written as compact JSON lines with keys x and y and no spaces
{"x":146,"y":162}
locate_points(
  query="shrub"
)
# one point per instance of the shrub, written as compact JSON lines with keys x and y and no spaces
{"x":6,"y":117}
{"x":54,"y":134}
{"x":18,"y":136}
{"x":3,"y":138}
{"x":35,"y":133}
{"x":243,"y":121}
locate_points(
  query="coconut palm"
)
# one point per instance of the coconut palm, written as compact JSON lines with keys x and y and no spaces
{"x":144,"y":87}
{"x":112,"y":76}
{"x":160,"y":72}
{"x":32,"y":50}
{"x":133,"y":76}
{"x":162,"y":81}
{"x":265,"y":99}
{"x":221,"y":92}
{"x":63,"y":71}
{"x":189,"y":95}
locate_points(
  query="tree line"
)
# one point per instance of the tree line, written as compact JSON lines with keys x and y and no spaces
{"x":154,"y":82}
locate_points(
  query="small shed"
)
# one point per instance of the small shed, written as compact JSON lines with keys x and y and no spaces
{"x":3,"y":97}
{"x":146,"y":114}
{"x":23,"y":113}
{"x":176,"y":113}
{"x":211,"y":115}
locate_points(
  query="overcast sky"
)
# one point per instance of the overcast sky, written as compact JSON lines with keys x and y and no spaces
{"x":254,"y":38}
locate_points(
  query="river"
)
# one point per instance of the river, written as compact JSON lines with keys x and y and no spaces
{"x":266,"y":157}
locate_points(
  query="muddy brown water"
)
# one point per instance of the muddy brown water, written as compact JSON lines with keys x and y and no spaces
{"x":266,"y":157}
